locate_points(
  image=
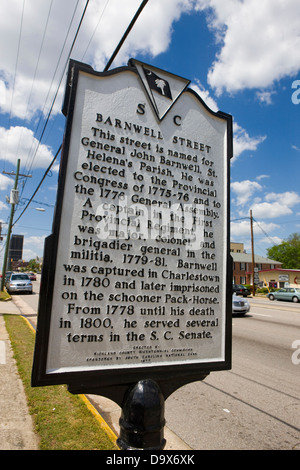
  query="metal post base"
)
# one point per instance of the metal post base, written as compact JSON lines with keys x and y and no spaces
{"x":142,"y":419}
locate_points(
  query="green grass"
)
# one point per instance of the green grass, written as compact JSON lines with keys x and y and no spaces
{"x":4,"y":295}
{"x":62,"y":420}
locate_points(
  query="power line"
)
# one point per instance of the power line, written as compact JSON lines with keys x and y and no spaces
{"x":38,"y":202}
{"x":142,"y":6}
{"x":139,"y":11}
{"x":50,"y":111}
{"x":241,"y":218}
{"x":39,"y":185}
{"x":16,"y":67}
{"x":57,"y":90}
{"x":95,"y":29}
{"x":35,"y":72}
{"x":268,"y":236}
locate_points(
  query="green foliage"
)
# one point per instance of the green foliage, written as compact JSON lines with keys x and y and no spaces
{"x":288,"y":252}
{"x":33,"y":265}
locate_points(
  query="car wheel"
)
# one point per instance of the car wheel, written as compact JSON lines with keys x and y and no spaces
{"x":271,"y":297}
{"x":295,"y":299}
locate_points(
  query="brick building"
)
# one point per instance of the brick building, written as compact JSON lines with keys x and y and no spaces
{"x":242,"y":264}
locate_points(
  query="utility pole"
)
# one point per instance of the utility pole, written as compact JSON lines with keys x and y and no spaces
{"x":12,"y":211}
{"x":252,"y":249}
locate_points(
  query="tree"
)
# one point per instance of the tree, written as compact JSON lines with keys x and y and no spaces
{"x":288,"y":252}
{"x":33,"y":265}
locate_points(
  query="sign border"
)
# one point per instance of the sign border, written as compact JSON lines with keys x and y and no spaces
{"x":136,"y":63}
{"x":177,"y":374}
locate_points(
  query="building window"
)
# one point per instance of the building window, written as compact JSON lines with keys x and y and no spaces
{"x":242,"y":266}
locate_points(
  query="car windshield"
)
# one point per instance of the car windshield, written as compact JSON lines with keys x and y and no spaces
{"x":297,"y":289}
{"x":19,"y":277}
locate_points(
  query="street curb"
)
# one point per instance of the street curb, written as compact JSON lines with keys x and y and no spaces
{"x":99,"y":418}
{"x":21,"y":308}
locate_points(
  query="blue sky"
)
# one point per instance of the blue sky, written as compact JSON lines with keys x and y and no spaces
{"x":242,"y":57}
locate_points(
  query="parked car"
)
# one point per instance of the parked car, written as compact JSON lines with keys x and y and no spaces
{"x":18,"y":282}
{"x":291,"y":294}
{"x":240,"y":306}
{"x":32,"y":276}
{"x":238,"y":289}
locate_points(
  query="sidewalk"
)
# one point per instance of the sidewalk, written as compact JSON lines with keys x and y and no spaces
{"x":16,"y":426}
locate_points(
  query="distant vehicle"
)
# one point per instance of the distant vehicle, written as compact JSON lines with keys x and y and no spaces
{"x":32,"y":276}
{"x":238,"y":289}
{"x":291,"y":294}
{"x":18,"y":282}
{"x":240,"y":306}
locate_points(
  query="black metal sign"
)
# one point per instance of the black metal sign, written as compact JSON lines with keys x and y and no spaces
{"x":136,"y":281}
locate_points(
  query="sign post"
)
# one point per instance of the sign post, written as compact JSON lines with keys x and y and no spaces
{"x":136,"y":282}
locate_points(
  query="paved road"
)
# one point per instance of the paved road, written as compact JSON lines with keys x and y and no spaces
{"x":254,"y":406}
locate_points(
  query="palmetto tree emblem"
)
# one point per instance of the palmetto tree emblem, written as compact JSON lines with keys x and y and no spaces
{"x":162,"y":88}
{"x":161,"y":84}
{"x":158,"y":84}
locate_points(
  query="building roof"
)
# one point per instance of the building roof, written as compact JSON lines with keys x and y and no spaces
{"x":247,"y":258}
{"x":280,"y":270}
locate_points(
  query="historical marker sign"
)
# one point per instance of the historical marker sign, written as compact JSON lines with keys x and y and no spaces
{"x":136,"y":279}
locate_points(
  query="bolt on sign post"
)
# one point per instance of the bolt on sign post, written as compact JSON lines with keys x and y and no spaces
{"x":136,"y":282}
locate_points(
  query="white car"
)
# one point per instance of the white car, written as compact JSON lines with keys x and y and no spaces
{"x":18,"y":282}
{"x":240,"y":306}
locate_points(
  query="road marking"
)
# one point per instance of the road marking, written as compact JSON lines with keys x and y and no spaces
{"x":2,"y":353}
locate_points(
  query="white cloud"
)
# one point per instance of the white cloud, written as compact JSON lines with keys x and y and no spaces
{"x":5,"y":182}
{"x":3,"y":206}
{"x":289,"y":198}
{"x":151,"y":33}
{"x":270,"y":210}
{"x":258,"y":45}
{"x":204,"y":94}
{"x":241,"y":229}
{"x":244,"y":190}
{"x":260,"y":42}
{"x":33,"y":246}
{"x":37,"y":241}
{"x":260,"y":177}
{"x":242,"y":141}
{"x":273,"y":240}
{"x":276,"y":205}
{"x":19,"y":141}
{"x":27,"y":80}
{"x":2,"y":94}
{"x":28,"y":85}
{"x":265,"y":97}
